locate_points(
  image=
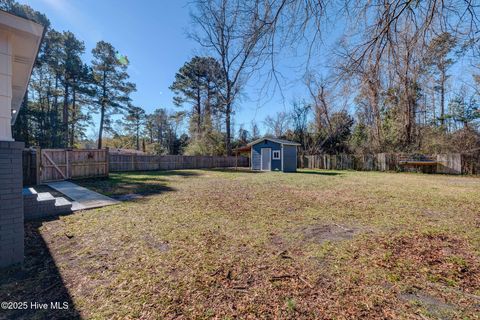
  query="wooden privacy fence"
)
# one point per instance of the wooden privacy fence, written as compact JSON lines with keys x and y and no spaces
{"x":471,"y":163}
{"x":453,"y":163}
{"x":45,"y":165}
{"x":364,"y":162}
{"x":135,"y":162}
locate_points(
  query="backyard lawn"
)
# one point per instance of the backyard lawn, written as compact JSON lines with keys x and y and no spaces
{"x":224,"y":244}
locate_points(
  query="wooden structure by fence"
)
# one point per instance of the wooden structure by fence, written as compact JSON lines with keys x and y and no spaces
{"x":454,"y":163}
{"x":45,"y":165}
{"x":135,"y":162}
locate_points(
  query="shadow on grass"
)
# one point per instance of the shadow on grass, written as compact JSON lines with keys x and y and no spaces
{"x":37,"y":280}
{"x":233,"y":170}
{"x":248,"y":170}
{"x":143,"y":183}
{"x":148,"y":175}
{"x":322,"y":173}
{"x":160,"y":173}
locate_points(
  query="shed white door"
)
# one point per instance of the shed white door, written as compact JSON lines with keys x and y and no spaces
{"x":266,"y":163}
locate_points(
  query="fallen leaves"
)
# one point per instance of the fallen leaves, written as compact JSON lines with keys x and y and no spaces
{"x":264,"y":246}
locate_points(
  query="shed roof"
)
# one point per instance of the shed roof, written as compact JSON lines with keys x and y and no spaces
{"x":243,"y":149}
{"x":280,"y":141}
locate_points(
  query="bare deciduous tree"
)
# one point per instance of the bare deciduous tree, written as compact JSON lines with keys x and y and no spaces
{"x":236,"y":33}
{"x":278,"y":124}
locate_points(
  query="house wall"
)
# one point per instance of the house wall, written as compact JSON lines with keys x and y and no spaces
{"x":289,"y":158}
{"x":5,"y":86}
{"x":256,"y":154}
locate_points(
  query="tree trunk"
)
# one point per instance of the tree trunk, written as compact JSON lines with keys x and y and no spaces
{"x":74,"y":116}
{"x":137,"y":133}
{"x":207,"y":118}
{"x":65,"y":117}
{"x":43,"y":118}
{"x":199,"y":113}
{"x":407,"y":117}
{"x":373,"y":87}
{"x":102,"y":109}
{"x":54,"y":116}
{"x":228,"y":111}
{"x":442,"y":99}
{"x":100,"y":131}
{"x":434,"y":108}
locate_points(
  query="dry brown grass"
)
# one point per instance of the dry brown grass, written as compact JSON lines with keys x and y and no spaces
{"x":222,"y":245}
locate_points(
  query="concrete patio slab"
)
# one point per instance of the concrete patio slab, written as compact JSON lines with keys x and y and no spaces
{"x":83,"y":198}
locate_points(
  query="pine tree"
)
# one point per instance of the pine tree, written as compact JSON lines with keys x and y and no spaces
{"x":72,"y":72}
{"x":198,"y":83}
{"x":110,"y":82}
{"x":134,"y":123}
{"x":82,"y":94}
{"x":54,"y":56}
{"x":439,"y":60}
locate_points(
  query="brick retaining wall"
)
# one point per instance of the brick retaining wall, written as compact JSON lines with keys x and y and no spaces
{"x":11,"y":203}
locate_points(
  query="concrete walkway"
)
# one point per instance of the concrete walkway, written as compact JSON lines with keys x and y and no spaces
{"x":82,"y":197}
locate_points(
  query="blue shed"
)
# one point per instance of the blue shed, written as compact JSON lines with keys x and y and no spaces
{"x":271,"y":154}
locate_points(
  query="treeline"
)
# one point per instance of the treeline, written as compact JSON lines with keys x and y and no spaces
{"x":420,"y":100}
{"x":403,"y":76}
{"x":68,"y":96}
{"x":416,"y":99}
{"x":398,"y":83}
{"x":65,"y":92}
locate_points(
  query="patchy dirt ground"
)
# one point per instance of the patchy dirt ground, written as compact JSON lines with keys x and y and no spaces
{"x":329,"y":232}
{"x":211,"y":244}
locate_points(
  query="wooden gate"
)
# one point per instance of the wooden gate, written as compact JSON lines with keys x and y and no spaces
{"x":62,"y":164}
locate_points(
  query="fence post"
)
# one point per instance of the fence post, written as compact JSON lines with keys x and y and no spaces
{"x":67,"y":168}
{"x":38,"y":164}
{"x":107,"y":162}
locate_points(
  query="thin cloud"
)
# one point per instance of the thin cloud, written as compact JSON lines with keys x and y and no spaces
{"x":80,"y":23}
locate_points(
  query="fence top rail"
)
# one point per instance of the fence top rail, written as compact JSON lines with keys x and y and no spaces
{"x":172,"y":156}
{"x":69,"y":149}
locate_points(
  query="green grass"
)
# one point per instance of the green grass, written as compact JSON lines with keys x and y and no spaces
{"x":314,"y":244}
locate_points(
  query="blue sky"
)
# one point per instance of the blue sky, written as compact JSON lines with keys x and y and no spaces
{"x":152,"y":33}
{"x":153,"y":36}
